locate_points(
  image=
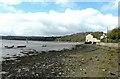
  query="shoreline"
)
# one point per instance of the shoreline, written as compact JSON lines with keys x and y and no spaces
{"x":31,"y":46}
{"x":81,"y":61}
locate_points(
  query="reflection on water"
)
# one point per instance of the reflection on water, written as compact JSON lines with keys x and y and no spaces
{"x":36,"y":45}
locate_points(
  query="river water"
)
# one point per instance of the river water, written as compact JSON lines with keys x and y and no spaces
{"x":36,"y":45}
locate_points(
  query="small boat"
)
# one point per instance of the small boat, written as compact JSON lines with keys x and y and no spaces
{"x":21,"y":46}
{"x":44,"y":45}
{"x":8,"y":47}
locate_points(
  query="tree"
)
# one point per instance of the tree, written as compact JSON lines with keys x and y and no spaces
{"x":114,"y":35}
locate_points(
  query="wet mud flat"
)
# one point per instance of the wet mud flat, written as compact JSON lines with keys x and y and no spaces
{"x":80,"y":61}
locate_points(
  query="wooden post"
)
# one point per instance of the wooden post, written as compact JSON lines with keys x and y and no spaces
{"x":107,"y":36}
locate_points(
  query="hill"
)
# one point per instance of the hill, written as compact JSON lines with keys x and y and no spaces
{"x":79,"y":37}
{"x":112,"y":36}
{"x":35,"y":38}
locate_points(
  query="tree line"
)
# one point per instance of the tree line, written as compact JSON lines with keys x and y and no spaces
{"x":35,"y":38}
{"x":114,"y":35}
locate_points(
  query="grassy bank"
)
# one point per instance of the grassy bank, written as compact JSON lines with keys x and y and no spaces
{"x":82,"y":61}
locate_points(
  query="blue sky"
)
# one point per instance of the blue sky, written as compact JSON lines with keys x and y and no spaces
{"x":47,"y":6}
{"x":41,"y":18}
{"x":34,"y":7}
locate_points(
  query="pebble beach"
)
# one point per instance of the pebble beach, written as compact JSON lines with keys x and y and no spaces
{"x":80,"y":61}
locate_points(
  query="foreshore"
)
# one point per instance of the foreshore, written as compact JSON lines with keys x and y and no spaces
{"x":81,"y":61}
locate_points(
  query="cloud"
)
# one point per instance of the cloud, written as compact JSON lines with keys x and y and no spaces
{"x":55,"y":23}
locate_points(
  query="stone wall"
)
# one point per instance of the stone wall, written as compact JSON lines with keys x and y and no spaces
{"x":109,"y":44}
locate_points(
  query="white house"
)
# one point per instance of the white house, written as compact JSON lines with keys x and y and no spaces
{"x":103,"y":36}
{"x":90,"y":38}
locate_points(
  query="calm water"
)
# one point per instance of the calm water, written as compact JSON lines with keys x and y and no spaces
{"x":36,"y":45}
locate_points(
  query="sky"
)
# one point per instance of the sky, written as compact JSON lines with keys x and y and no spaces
{"x":56,"y":17}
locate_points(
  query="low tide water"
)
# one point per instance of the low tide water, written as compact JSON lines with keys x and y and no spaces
{"x":31,"y":45}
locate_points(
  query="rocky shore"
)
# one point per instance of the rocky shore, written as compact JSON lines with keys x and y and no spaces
{"x":81,"y":61}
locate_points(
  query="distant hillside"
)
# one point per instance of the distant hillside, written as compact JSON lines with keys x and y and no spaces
{"x":79,"y":37}
{"x":113,"y":36}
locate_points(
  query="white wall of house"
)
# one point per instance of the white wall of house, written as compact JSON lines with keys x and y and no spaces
{"x":96,"y":40}
{"x":103,"y":36}
{"x":89,"y":38}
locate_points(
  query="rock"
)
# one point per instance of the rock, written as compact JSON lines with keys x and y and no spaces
{"x":63,"y":59}
{"x":79,"y":64}
{"x":84,"y":69}
{"x":33,"y":73}
{"x":25,"y":69}
{"x":19,"y":70}
{"x":8,"y":54}
{"x":90,"y":58}
{"x":17,"y":60}
{"x":97,"y":59}
{"x":12,"y":63}
{"x":37,"y":75}
{"x":112,"y":74}
{"x":73,"y":72}
{"x":60,"y":73}
{"x":81,"y":69}
{"x":92,"y":70}
{"x":103,"y":69}
{"x":83,"y":59}
{"x":111,"y":54}
{"x":53,"y":72}
{"x":9,"y":75}
{"x":43,"y":65}
{"x":96,"y":56}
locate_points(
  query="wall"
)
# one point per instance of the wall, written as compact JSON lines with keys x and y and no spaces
{"x":109,"y":44}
